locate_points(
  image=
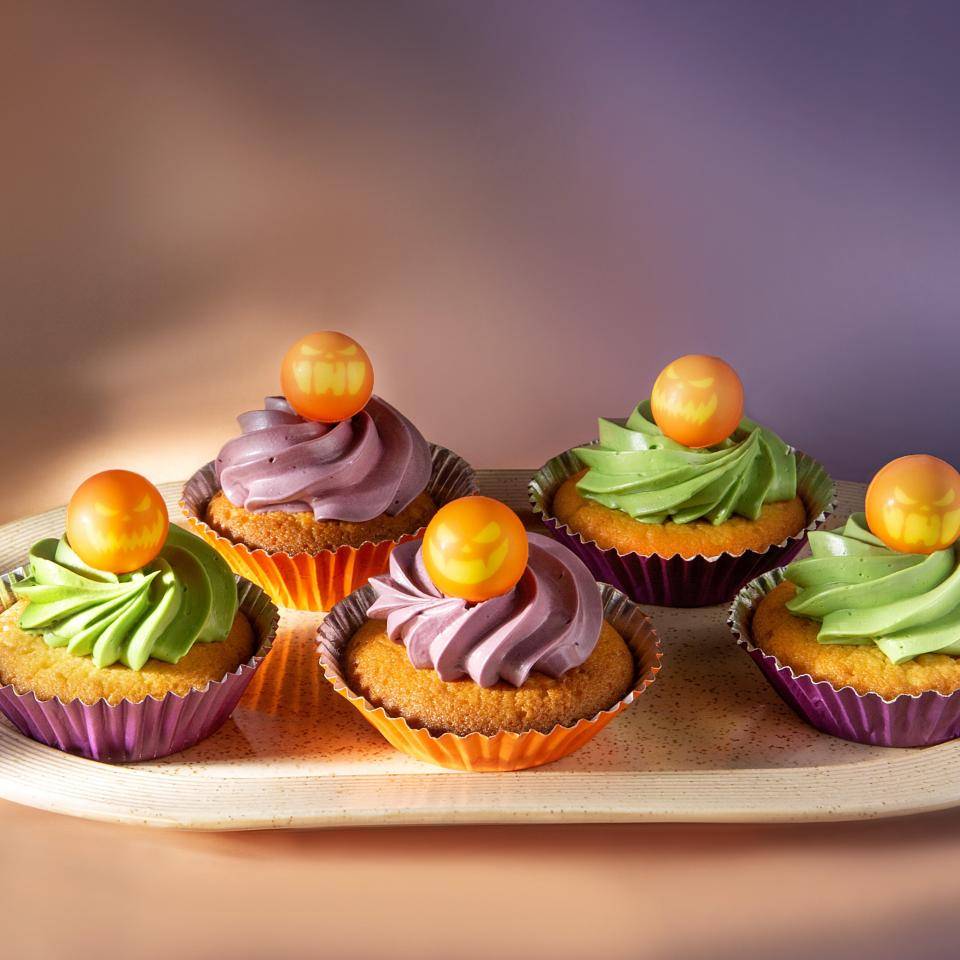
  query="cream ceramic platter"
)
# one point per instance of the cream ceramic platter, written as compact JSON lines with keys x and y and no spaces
{"x":710,"y":741}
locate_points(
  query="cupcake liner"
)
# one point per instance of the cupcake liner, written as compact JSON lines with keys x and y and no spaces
{"x":677,"y":581}
{"x":127,"y":731}
{"x":918,"y":720}
{"x":316,"y":581}
{"x":506,"y":750}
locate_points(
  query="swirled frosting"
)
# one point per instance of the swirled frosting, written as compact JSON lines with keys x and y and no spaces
{"x":186,"y":594}
{"x":863,"y":592}
{"x":636,"y":469}
{"x":549,"y":622}
{"x":376,"y":462}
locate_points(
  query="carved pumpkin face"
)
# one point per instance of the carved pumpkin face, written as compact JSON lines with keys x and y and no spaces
{"x":475,"y":548}
{"x":913,"y":504}
{"x":327,"y":376}
{"x":117,"y":521}
{"x":697,"y":400}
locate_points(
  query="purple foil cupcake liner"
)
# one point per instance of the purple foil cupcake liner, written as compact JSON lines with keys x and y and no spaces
{"x":677,"y":581}
{"x":127,"y":731}
{"x":921,"y":720}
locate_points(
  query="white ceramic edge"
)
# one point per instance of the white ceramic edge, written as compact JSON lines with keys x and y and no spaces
{"x":877,"y":788}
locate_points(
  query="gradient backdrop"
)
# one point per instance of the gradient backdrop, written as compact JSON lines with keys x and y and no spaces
{"x":523,"y":210}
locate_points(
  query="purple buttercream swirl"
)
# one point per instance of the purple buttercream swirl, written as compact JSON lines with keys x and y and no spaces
{"x":549,"y":622}
{"x":376,"y":462}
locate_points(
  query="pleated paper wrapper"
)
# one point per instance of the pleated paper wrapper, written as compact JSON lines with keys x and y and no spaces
{"x":677,"y":581}
{"x":129,"y":731}
{"x":506,"y":750}
{"x":317,"y":581}
{"x":920,"y":720}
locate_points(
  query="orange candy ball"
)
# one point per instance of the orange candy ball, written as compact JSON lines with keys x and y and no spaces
{"x":327,"y":376}
{"x":117,"y":521}
{"x":913,"y":504}
{"x":475,"y":548}
{"x":697,"y":400}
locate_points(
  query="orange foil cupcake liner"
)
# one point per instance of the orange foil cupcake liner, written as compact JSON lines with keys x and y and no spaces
{"x":506,"y":750}
{"x":317,"y":581}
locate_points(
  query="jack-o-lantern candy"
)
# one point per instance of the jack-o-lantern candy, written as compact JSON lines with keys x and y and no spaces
{"x":913,"y":504}
{"x":117,"y":521}
{"x":327,"y":376}
{"x":475,"y":548}
{"x":697,"y":400}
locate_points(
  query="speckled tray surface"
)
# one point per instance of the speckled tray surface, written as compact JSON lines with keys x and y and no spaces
{"x":710,"y":741}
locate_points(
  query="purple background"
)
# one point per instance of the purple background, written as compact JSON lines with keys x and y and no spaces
{"x":522,"y":209}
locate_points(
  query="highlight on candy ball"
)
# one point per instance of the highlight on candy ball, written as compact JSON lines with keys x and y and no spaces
{"x":327,"y":376}
{"x":913,"y":504}
{"x":117,"y":521}
{"x":475,"y":548}
{"x":697,"y":400}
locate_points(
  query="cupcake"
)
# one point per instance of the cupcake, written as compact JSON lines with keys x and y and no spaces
{"x":127,"y":638}
{"x":323,"y":482}
{"x":485,"y":647}
{"x":862,"y":638}
{"x":685,"y":500}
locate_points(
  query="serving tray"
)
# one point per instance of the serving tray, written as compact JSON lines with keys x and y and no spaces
{"x":710,"y":741}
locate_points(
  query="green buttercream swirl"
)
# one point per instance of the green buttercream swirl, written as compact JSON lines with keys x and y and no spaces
{"x":636,"y":469}
{"x":186,"y":594}
{"x":863,"y":592}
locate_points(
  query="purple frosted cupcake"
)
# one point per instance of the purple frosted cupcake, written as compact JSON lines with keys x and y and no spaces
{"x":311,"y":508}
{"x":485,"y":647}
{"x":297,"y":485}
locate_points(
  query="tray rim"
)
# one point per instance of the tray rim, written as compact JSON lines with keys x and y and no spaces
{"x":909,"y":782}
{"x":164,"y":799}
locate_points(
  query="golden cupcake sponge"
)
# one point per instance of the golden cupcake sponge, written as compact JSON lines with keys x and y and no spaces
{"x":793,"y":641}
{"x":277,"y":530}
{"x":379,"y":669}
{"x":30,"y":665}
{"x":614,"y":528}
